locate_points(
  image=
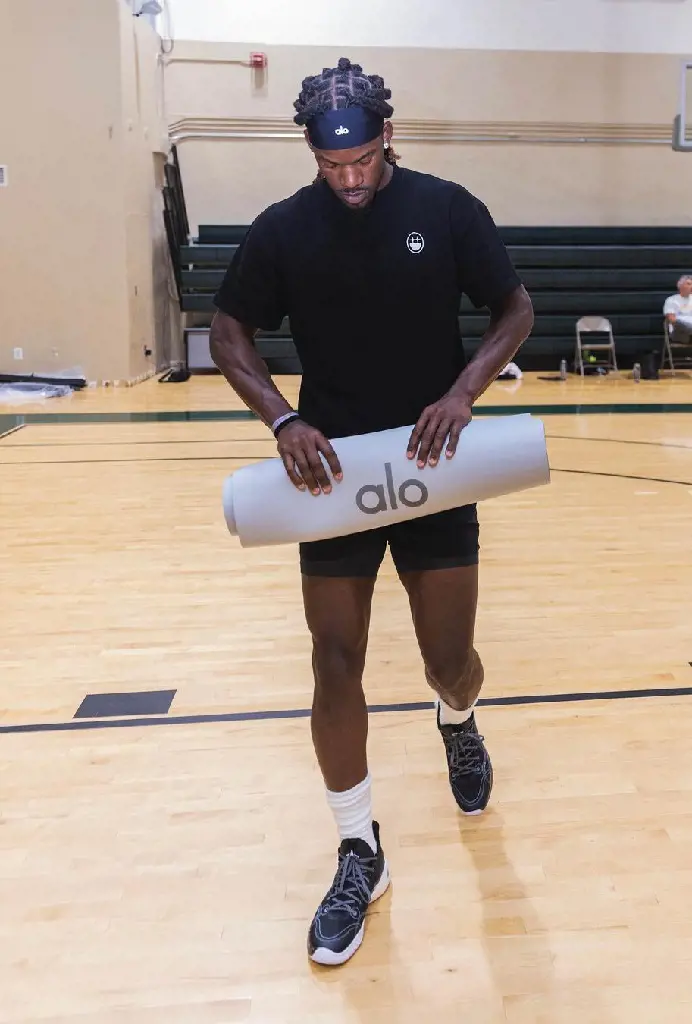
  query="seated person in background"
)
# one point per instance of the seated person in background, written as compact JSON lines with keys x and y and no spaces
{"x":678,"y":311}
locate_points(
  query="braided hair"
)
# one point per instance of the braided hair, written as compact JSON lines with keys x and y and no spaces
{"x":344,"y":86}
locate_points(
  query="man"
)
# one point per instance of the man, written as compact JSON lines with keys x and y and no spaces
{"x":678,"y":312}
{"x":370,"y":262}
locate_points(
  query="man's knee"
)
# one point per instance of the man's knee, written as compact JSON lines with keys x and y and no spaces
{"x":338,"y":660}
{"x":457,"y":674}
{"x":338,"y":616}
{"x":682,"y":333}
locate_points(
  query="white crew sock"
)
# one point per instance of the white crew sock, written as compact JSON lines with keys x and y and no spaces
{"x":450,"y":716}
{"x":352,"y":812}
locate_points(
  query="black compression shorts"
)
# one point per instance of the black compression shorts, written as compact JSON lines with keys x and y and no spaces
{"x":445,"y":540}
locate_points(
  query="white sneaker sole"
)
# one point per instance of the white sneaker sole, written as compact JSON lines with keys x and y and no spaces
{"x":327,"y":957}
{"x":480,"y":810}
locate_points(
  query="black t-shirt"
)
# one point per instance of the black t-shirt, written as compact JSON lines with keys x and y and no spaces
{"x":373,"y":297}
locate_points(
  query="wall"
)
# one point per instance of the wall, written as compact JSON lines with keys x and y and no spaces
{"x":61,"y":293}
{"x":84,"y":275}
{"x":616,"y":26}
{"x":539,"y":96}
{"x":154,"y":320}
{"x":76,"y":221}
{"x":531,"y":70}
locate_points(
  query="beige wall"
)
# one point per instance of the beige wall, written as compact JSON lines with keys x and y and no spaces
{"x":84,"y":269}
{"x":596,"y":26}
{"x":470,"y":92}
{"x":153,"y":318}
{"x":79,"y":124}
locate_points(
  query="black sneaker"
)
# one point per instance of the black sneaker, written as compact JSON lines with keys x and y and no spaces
{"x":470,"y":770}
{"x":339,"y":924}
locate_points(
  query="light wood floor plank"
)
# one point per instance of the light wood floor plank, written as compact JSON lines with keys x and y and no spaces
{"x":169,"y":873}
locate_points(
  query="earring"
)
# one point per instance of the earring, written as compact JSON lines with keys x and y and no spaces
{"x":386,"y":145}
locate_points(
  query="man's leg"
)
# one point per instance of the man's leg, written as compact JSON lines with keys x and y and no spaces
{"x":443,"y":606}
{"x":682,"y":333}
{"x":338,"y":582}
{"x":437,"y":561}
{"x":337,"y":612}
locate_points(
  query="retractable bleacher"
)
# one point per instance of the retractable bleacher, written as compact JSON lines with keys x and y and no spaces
{"x":622,"y":273}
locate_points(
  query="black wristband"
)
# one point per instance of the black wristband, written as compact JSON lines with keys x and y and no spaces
{"x":284,"y":423}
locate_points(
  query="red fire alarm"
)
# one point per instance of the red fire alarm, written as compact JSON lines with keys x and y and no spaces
{"x":258,"y":60}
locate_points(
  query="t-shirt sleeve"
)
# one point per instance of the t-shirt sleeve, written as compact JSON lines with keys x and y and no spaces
{"x":671,"y":305}
{"x":485,"y":271}
{"x":251,"y":291}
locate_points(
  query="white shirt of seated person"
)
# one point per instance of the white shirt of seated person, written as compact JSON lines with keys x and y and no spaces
{"x":680,"y":305}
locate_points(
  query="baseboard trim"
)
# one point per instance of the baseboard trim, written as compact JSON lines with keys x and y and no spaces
{"x":127,"y":382}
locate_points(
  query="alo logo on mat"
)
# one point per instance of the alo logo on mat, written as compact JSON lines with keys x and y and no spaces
{"x":342,"y":131}
{"x":403,"y":494}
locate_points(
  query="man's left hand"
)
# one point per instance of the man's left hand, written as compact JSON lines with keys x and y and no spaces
{"x":443,"y":421}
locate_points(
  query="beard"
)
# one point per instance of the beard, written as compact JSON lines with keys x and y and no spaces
{"x":358,"y":200}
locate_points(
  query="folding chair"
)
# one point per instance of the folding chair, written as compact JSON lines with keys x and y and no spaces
{"x":595,"y":325}
{"x":670,"y":348}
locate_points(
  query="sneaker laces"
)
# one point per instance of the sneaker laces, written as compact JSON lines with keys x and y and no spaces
{"x":350,"y":888}
{"x":466,"y":753}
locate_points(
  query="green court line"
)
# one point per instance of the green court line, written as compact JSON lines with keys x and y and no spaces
{"x":8,"y":425}
{"x":135,"y":417}
{"x":234,"y":415}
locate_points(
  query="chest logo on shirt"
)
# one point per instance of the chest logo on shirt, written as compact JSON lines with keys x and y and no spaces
{"x":415,"y":242}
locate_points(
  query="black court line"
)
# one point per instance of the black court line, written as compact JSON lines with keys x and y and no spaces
{"x":127,"y":443}
{"x":601,"y":440}
{"x":624,"y":476}
{"x":264,"y":716}
{"x":260,"y":458}
{"x":118,"y":462}
{"x":268,"y":437}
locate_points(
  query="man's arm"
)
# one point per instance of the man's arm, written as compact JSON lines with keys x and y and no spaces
{"x":669,"y":310}
{"x":232,"y":349}
{"x":300,"y":445}
{"x":511,"y":322}
{"x":485,"y":273}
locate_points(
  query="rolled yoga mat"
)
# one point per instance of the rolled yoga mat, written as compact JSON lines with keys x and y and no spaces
{"x":381,"y":485}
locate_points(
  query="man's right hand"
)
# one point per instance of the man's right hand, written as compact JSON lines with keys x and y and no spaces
{"x":299,"y":447}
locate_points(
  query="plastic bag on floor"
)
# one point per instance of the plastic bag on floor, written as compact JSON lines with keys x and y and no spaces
{"x":22,"y":393}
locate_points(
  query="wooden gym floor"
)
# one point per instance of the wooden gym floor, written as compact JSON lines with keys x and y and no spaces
{"x":160,"y":865}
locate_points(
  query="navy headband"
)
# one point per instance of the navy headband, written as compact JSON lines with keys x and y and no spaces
{"x":345,"y":128}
